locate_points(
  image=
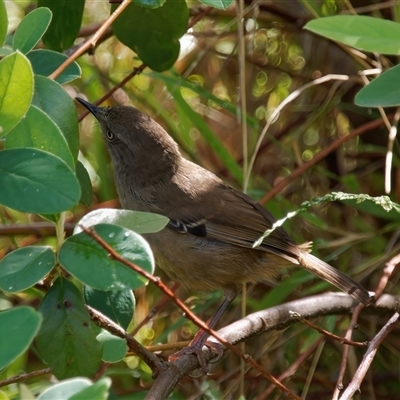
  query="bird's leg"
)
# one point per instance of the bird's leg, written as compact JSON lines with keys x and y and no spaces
{"x":200,"y":339}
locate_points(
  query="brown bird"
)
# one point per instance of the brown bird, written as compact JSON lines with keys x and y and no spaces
{"x":208,"y":243}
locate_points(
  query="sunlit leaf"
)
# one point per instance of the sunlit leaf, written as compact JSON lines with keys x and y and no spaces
{"x":31,"y":29}
{"x":359,"y":31}
{"x":16,"y":90}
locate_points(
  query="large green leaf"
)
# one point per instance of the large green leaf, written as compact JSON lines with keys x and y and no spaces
{"x":89,"y":262}
{"x":31,"y":29}
{"x":18,"y":328}
{"x":39,"y":131}
{"x":66,"y":340}
{"x":45,"y":62}
{"x":383,"y":91}
{"x":36,"y":182}
{"x":50,"y":97}
{"x":66,"y":22}
{"x":16,"y":89}
{"x":24,"y":267}
{"x":362,"y":32}
{"x":3,"y":22}
{"x":137,"y":221}
{"x":153,"y":33}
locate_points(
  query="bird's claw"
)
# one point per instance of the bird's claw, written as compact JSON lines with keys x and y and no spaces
{"x":197,"y":349}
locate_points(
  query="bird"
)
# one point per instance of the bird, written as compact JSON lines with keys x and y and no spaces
{"x":208,"y":242}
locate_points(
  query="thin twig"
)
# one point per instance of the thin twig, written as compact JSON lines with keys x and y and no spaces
{"x":91,"y":43}
{"x":327,"y":333}
{"x":24,"y":377}
{"x":387,"y":272}
{"x":141,"y":68}
{"x":369,"y":356}
{"x":346,"y":349}
{"x":148,"y":357}
{"x":154,"y":310}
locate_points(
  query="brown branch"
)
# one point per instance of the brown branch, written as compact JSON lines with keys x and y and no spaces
{"x":387,"y":273}
{"x":40,"y":229}
{"x":188,"y":313}
{"x":346,"y":350}
{"x":24,"y":377}
{"x":275,"y":318}
{"x":355,"y":383}
{"x":91,"y":43}
{"x":329,"y":334}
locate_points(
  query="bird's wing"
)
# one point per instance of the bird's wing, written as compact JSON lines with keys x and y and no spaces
{"x":219,"y":212}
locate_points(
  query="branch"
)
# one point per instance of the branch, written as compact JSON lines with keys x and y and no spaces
{"x":369,"y":356}
{"x":275,"y":318}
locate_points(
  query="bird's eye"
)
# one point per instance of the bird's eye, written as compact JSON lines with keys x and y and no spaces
{"x":110,"y":135}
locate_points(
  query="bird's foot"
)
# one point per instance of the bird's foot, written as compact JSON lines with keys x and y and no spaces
{"x":197,"y":349}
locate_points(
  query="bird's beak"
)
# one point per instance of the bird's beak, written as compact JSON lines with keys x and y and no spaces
{"x":91,"y":107}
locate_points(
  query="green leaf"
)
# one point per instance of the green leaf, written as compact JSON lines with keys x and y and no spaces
{"x":114,"y":348}
{"x":85,"y":183}
{"x":24,"y":267}
{"x":89,"y":262}
{"x":65,"y":389}
{"x":361,"y":32}
{"x":221,"y":4}
{"x":50,"y":97}
{"x":66,"y":340}
{"x":137,"y":221}
{"x":117,"y":305}
{"x":96,"y":391}
{"x":31,"y":29}
{"x":45,"y":62}
{"x":3,"y":22}
{"x":382,"y":91}
{"x":66,"y":22}
{"x":18,"y":328}
{"x":16,"y":89}
{"x":153,"y":33}
{"x":69,"y":388}
{"x":37,"y":130}
{"x":38,"y":182}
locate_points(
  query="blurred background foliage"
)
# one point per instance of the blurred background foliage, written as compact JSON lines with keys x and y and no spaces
{"x":280,"y":57}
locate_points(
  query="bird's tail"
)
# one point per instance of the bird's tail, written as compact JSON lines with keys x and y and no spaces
{"x":334,"y":276}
